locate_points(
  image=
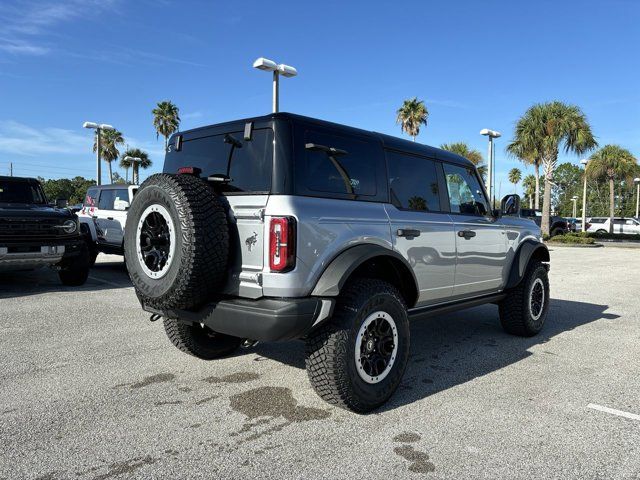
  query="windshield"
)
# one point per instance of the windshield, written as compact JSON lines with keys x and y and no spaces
{"x":248,"y":163}
{"x":12,"y":191}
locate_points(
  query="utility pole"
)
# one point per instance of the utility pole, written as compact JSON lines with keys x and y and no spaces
{"x":11,"y":169}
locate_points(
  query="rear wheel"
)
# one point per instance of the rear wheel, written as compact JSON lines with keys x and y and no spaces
{"x":357,"y":358}
{"x":199,"y":341}
{"x":524,"y":311}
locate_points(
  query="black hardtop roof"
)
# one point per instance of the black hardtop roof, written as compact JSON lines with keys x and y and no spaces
{"x":20,"y":179}
{"x":388,"y":141}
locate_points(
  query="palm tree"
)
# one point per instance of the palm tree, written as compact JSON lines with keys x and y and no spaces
{"x":464,"y":150}
{"x":109,"y":142}
{"x":145,"y":162}
{"x":515,"y":175}
{"x":411,"y":115}
{"x":528,"y":157}
{"x":166,"y":120}
{"x":611,"y":162}
{"x":529,"y":185}
{"x":544,"y":129}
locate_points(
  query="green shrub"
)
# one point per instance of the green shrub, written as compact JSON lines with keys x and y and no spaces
{"x":572,"y":238}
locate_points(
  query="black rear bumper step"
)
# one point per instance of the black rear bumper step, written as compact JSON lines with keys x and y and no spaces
{"x":266,"y":319}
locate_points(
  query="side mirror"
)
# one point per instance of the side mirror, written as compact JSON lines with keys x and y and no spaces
{"x":510,"y":205}
{"x":121,"y":205}
{"x":62,"y":203}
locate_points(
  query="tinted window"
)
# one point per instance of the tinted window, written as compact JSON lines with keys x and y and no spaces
{"x":92,"y":197}
{"x":465,"y":192}
{"x":413,"y":182}
{"x":597,"y":220}
{"x":12,"y":191}
{"x":250,"y":165}
{"x":350,"y":168}
{"x":106,"y":199}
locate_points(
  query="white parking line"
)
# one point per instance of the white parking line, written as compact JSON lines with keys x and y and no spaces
{"x":613,"y":411}
{"x":113,"y":284}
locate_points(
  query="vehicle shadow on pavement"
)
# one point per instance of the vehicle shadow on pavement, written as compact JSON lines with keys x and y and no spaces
{"x":452,"y":349}
{"x":102,"y":276}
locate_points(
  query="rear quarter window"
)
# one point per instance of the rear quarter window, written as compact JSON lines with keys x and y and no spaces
{"x":336,"y":165}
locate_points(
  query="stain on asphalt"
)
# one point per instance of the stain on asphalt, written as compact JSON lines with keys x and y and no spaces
{"x":274,"y":403}
{"x":184,"y":389}
{"x":406,"y":437}
{"x":126,"y":467}
{"x":419,"y":460}
{"x":146,"y":381}
{"x":169,"y":402}
{"x":238,"y":377}
{"x":48,"y":476}
{"x":206,"y":399}
{"x":195,"y":425}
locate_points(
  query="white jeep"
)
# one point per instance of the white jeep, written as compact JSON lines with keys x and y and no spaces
{"x":104,"y":211}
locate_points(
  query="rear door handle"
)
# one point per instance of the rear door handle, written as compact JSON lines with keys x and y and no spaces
{"x":109,"y":218}
{"x":467,"y":234}
{"x":408,"y":232}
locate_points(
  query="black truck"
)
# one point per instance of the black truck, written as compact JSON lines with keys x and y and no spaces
{"x":35,"y":234}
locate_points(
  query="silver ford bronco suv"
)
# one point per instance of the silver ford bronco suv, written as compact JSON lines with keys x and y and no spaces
{"x":282,"y":227}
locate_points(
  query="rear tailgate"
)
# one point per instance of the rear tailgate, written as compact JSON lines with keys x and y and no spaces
{"x":247,"y":245}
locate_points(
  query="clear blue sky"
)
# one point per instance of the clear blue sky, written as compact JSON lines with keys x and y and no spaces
{"x":476,"y":64}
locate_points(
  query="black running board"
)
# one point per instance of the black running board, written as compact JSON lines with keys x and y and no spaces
{"x":439,"y":309}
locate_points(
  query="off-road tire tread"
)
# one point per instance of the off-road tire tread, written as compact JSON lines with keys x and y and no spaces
{"x":205,"y":242}
{"x":331,"y":341}
{"x":513,"y":308}
{"x":180,"y":335}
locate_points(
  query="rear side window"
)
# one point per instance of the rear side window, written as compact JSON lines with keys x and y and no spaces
{"x":91,"y":200}
{"x":341,"y":165}
{"x":247,"y":162}
{"x":413,"y":182}
{"x":597,"y":220}
{"x":105,"y":202}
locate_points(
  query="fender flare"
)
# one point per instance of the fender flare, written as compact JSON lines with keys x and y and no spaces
{"x":521,"y":259}
{"x":341,"y":267}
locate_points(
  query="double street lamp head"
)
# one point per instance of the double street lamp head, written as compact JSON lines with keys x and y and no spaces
{"x":636,"y":181}
{"x":490,"y":133}
{"x":95,"y":126}
{"x":584,"y":161}
{"x":271,"y":66}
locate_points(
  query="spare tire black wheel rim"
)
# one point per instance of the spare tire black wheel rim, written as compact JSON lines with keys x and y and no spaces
{"x":536,"y":299}
{"x":155,"y":241}
{"x":376,"y":347}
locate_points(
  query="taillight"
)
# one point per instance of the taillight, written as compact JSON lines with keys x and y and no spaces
{"x":189,"y":171}
{"x":282,"y":244}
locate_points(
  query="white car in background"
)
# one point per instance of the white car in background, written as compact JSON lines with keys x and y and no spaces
{"x":104,"y":211}
{"x":629,"y":226}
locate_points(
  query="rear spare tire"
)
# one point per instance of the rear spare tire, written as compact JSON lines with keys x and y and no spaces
{"x":176,"y":242}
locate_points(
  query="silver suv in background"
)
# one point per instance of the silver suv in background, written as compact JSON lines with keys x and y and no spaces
{"x":628,"y":226}
{"x":283,"y":226}
{"x":104,"y":212}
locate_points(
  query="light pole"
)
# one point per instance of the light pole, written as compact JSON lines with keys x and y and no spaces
{"x":574,"y":199}
{"x":490,"y":161}
{"x":277,"y":69}
{"x":98,"y":128}
{"x":133,"y":161}
{"x":584,"y":162}
{"x":637,"y":182}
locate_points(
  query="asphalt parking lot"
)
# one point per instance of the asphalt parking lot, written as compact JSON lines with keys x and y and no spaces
{"x":90,"y":389}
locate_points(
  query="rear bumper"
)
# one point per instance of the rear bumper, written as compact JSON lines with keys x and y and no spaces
{"x":266,"y":319}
